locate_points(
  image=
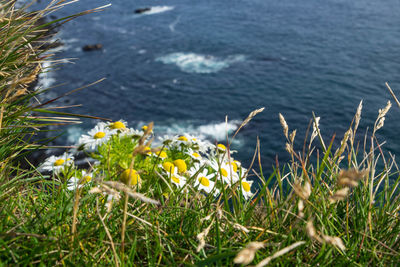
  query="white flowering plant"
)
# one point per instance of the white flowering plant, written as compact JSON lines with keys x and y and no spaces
{"x":180,"y":164}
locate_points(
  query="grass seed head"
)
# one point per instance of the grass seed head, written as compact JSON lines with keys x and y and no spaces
{"x":350,"y":177}
{"x":284,"y":125}
{"x":340,"y":194}
{"x":334,"y":241}
{"x":246,"y":255}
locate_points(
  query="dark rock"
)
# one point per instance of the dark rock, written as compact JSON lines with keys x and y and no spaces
{"x":92,"y":47}
{"x":142,"y":10}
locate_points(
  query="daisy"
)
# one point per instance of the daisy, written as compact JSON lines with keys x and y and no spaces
{"x":117,"y":125}
{"x":57,"y":164}
{"x":168,"y":167}
{"x":184,"y":140}
{"x":225,"y":171}
{"x":178,"y":180}
{"x":95,"y":137}
{"x":87,"y":177}
{"x":221,"y":147}
{"x":203,"y":182}
{"x":194,"y":155}
{"x":204,"y":146}
{"x":194,"y":169}
{"x":160,"y":154}
{"x":246,"y":188}
{"x":74,"y":183}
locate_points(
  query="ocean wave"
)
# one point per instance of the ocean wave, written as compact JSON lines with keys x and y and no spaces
{"x":197,"y":63}
{"x":215,"y":131}
{"x":45,"y":78}
{"x":158,"y":9}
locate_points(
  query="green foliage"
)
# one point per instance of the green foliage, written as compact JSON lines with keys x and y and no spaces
{"x":328,"y":206}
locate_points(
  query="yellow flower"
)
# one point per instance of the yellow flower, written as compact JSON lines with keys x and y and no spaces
{"x":180,"y":163}
{"x":221,"y":147}
{"x":162,"y":154}
{"x":117,"y":125}
{"x":182,"y":138}
{"x":168,"y":167}
{"x":130,"y":177}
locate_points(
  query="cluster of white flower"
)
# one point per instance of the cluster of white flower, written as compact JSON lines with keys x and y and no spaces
{"x":97,"y":136}
{"x":210,"y":166}
{"x":184,"y":159}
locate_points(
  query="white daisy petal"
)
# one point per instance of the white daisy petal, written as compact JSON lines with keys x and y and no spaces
{"x":97,"y":136}
{"x":57,"y":163}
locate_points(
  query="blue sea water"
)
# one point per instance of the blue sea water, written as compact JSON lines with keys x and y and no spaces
{"x":186,"y":65}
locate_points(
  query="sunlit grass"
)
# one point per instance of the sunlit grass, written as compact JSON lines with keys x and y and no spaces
{"x":330,"y":205}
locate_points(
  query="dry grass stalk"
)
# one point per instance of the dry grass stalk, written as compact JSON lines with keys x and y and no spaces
{"x":311,"y":232}
{"x":240,"y":227}
{"x":105,"y":190}
{"x":350,"y":177}
{"x":247,"y":120}
{"x":343,"y":143}
{"x":357,"y":117}
{"x":292,"y":136}
{"x":127,"y":190}
{"x":75,"y":212}
{"x":284,"y":125}
{"x":392,"y":93}
{"x":300,"y":207}
{"x":303,"y":192}
{"x":339,"y":195}
{"x":315,"y":129}
{"x":332,"y":240}
{"x":289,"y":148}
{"x":246,"y":255}
{"x":381,"y":116}
{"x":280,"y":253}
{"x":146,"y":222}
{"x":201,"y":237}
{"x":108,"y":233}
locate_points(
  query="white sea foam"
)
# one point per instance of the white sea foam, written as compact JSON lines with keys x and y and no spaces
{"x":45,"y":79}
{"x":197,"y":63}
{"x":158,"y":9}
{"x":174,"y":23}
{"x":216,"y":131}
{"x":73,"y":134}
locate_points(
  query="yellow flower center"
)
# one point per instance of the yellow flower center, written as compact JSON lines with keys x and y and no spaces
{"x":144,"y":128}
{"x":175,"y":179}
{"x":204,"y":181}
{"x":117,"y":125}
{"x":99,"y":135}
{"x":246,"y":186}
{"x":59,"y":162}
{"x":183,"y":138}
{"x":130,"y":177}
{"x":194,"y":139}
{"x":224,"y":172}
{"x":168,"y":167}
{"x":180,"y":163}
{"x":221,"y":146}
{"x":196,"y":155}
{"x":87,"y":178}
{"x":234,"y":166}
{"x":162,"y":154}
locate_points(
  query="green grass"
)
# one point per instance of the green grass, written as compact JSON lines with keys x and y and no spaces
{"x":327,"y":206}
